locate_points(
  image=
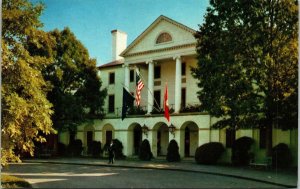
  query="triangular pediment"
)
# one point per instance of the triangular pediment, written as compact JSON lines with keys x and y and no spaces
{"x":149,"y":40}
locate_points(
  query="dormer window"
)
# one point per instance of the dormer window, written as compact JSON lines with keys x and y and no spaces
{"x":163,"y":37}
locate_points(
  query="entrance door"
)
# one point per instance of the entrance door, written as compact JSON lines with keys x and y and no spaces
{"x":187,"y":142}
{"x":158,"y":143}
{"x":137,"y":139}
{"x":89,"y":140}
{"x":108,"y":137}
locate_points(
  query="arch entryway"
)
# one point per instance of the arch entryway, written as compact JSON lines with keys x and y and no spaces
{"x":89,"y":136}
{"x":161,"y":138}
{"x":135,"y":138}
{"x":107,"y":134}
{"x":190,"y":138}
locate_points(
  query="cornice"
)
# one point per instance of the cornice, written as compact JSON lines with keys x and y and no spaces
{"x":151,"y":27}
{"x":162,"y":49}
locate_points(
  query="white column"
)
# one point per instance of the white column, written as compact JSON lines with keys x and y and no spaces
{"x":150,"y":85}
{"x":177,"y":84}
{"x":126,"y":78}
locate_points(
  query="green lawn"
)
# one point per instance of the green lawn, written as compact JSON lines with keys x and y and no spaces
{"x":8,"y":181}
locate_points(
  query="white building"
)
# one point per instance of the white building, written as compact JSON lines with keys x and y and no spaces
{"x":164,"y":53}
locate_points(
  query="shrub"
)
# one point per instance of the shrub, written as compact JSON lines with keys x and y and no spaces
{"x":281,"y":156}
{"x":240,"y":151}
{"x":145,"y":151}
{"x":173,"y":152}
{"x":209,"y":153}
{"x":95,"y":148}
{"x":61,"y":149}
{"x":118,"y":149}
{"x":9,"y":181}
{"x":75,"y":148}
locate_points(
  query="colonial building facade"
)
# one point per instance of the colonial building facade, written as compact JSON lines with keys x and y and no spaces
{"x":164,"y":54}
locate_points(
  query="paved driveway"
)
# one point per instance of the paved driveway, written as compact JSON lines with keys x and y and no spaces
{"x":44,"y":175}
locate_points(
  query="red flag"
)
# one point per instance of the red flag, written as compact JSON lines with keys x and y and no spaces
{"x":166,"y":104}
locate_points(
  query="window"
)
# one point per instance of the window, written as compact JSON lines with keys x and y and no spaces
{"x":183,"y":97}
{"x":262,"y":138}
{"x":163,"y":37}
{"x":112,"y":78}
{"x":157,"y":99}
{"x":230,"y":137}
{"x":156,"y":72}
{"x":183,"y":69}
{"x":131,"y":75}
{"x":111,"y":103}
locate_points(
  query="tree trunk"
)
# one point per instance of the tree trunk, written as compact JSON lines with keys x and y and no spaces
{"x":269,"y":140}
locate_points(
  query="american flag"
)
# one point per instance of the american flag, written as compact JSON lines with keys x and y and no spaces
{"x":139,"y":87}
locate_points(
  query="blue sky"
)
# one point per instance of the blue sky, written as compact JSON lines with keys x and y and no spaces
{"x":92,"y":20}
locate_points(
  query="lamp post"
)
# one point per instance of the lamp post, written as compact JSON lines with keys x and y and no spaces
{"x":172,"y":129}
{"x":145,"y":130}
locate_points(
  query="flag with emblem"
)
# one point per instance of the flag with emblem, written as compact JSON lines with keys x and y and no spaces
{"x":166,"y":104}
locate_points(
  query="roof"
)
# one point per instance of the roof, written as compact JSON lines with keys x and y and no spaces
{"x":111,"y":64}
{"x":160,"y":18}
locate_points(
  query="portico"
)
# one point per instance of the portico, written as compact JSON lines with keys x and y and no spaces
{"x":150,"y":81}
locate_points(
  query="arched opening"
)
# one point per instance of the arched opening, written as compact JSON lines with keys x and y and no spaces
{"x":137,"y":139}
{"x":107,"y":134}
{"x":89,"y":135}
{"x":186,"y":142}
{"x":191,"y":138}
{"x":162,"y":139}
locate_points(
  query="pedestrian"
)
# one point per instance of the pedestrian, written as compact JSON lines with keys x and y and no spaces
{"x":111,"y":153}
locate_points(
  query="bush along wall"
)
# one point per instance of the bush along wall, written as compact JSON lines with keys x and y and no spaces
{"x":75,"y":148}
{"x":241,"y":151}
{"x":118,"y":146}
{"x":145,"y":153}
{"x":173,"y":152}
{"x":61,"y":149}
{"x":209,"y":153}
{"x":281,"y":156}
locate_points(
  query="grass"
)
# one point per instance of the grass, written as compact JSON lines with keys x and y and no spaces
{"x":8,"y":181}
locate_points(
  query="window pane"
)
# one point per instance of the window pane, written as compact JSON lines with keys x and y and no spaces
{"x":156,"y":72}
{"x":183,"y":68}
{"x":157,"y":99}
{"x":111,"y":103}
{"x":183,"y":97}
{"x":131,"y":75}
{"x":111,"y":78}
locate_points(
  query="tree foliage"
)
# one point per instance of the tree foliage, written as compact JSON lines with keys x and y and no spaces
{"x":26,"y":112}
{"x":248,"y":63}
{"x":76,"y":93}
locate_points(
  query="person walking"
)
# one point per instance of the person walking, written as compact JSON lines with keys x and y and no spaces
{"x":111,"y":153}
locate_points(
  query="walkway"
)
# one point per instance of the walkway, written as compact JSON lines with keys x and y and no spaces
{"x":285,"y":178}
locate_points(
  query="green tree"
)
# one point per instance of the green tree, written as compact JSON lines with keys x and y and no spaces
{"x":76,"y":94}
{"x":26,"y":112}
{"x":248,"y":64}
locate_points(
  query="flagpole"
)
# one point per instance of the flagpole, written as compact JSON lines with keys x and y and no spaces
{"x":141,"y":99}
{"x":149,"y":91}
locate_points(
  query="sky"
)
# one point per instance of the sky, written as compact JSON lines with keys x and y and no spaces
{"x":92,"y":20}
